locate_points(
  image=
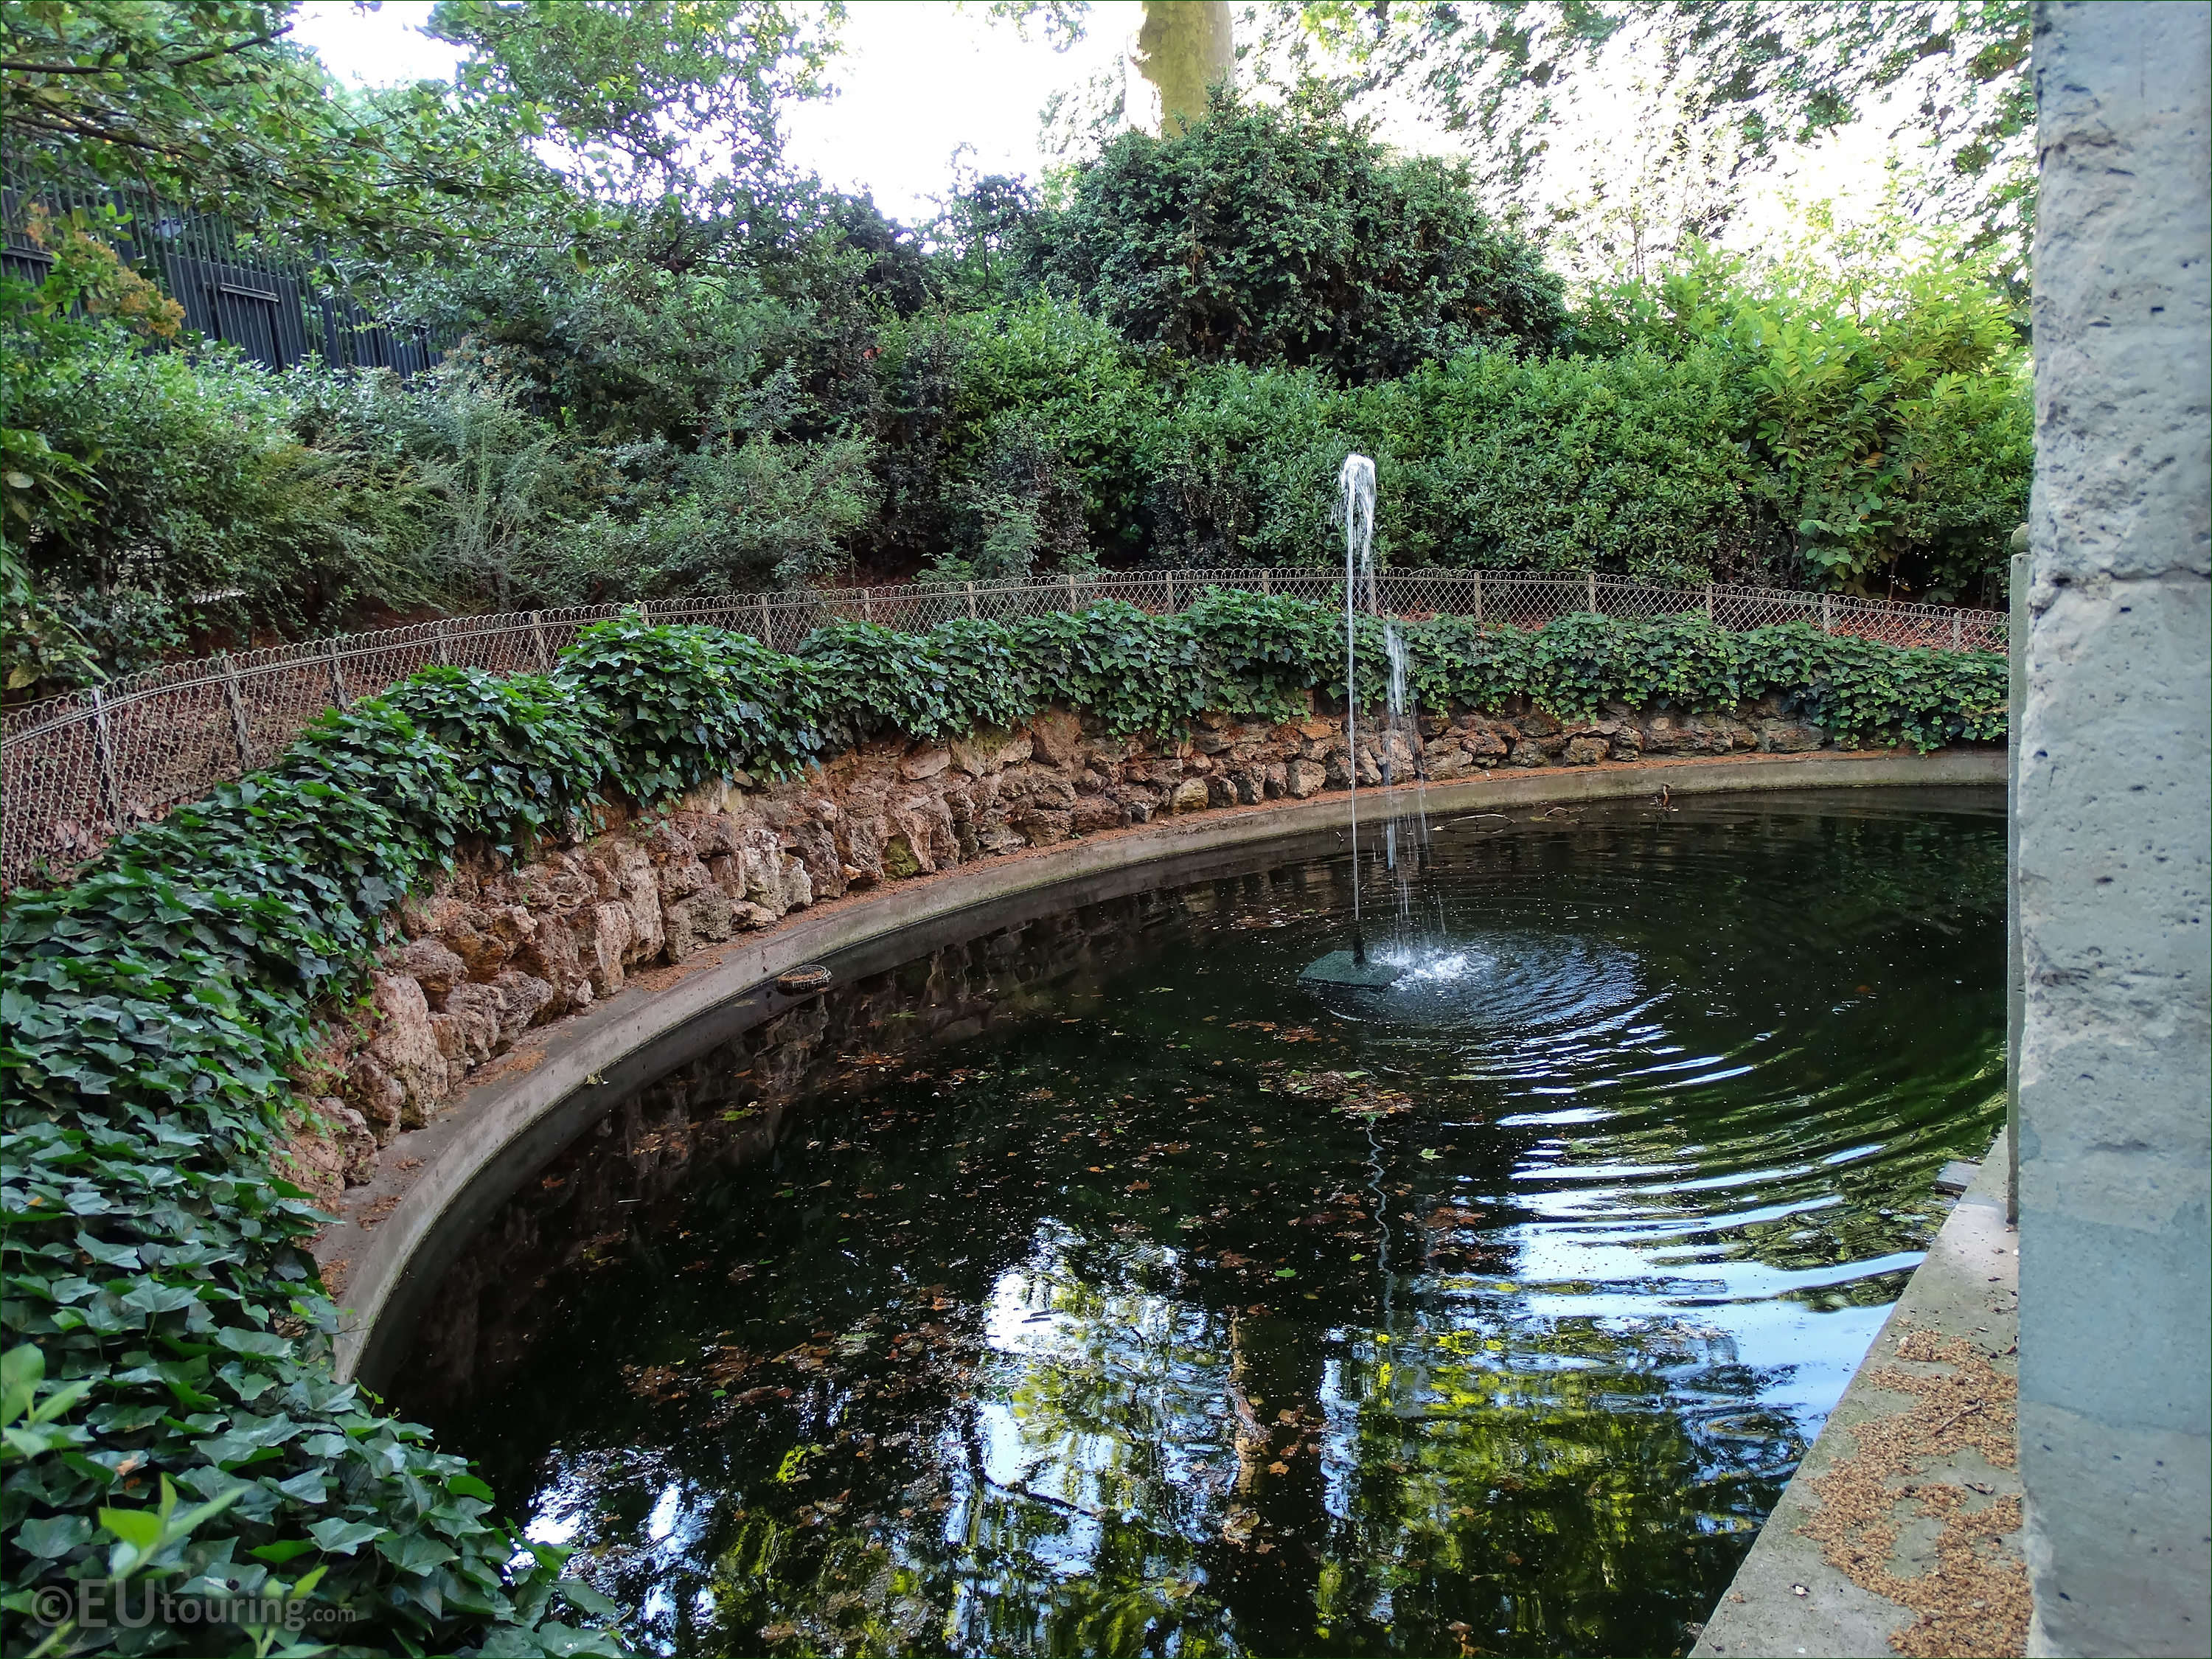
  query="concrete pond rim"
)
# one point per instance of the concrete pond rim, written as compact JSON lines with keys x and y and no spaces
{"x":387,"y":1253}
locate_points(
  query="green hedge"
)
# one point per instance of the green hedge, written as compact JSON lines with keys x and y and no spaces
{"x":166,"y":1319}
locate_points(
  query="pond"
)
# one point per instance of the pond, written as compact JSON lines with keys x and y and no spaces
{"x":1089,"y":1286}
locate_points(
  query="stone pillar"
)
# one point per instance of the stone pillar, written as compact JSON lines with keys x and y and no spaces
{"x":1183,"y":47}
{"x":2112,"y":864}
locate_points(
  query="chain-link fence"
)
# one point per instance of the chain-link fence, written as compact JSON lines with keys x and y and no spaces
{"x":80,"y":767}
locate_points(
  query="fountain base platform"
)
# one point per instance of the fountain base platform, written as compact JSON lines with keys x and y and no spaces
{"x":1338,"y":968}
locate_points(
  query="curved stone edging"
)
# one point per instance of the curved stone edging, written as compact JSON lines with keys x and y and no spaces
{"x":367,"y":1254}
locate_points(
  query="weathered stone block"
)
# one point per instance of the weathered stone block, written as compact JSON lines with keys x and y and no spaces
{"x":1044,"y":828}
{"x":1095,"y":812}
{"x":1788,"y":737}
{"x":924,"y":762}
{"x":551,"y":955}
{"x":1057,"y":736}
{"x":432,"y":967}
{"x":702,"y":919}
{"x":476,"y":1012}
{"x":603,"y":935}
{"x":404,"y":1044}
{"x":523,"y":999}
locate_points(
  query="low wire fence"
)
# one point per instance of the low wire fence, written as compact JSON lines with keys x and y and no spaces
{"x":79,"y":769}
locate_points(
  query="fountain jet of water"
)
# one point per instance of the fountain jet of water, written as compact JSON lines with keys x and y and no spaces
{"x":1357,"y":483}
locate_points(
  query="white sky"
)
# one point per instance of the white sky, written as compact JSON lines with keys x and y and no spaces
{"x":917,"y":81}
{"x":923,"y":84}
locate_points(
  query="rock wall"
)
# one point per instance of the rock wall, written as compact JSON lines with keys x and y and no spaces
{"x":492,"y":950}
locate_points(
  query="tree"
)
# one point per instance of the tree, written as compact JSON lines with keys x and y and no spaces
{"x":1185,"y":50}
{"x":1510,"y":76}
{"x":1267,"y":235}
{"x":205,"y":104}
{"x":660,"y":115}
{"x":664,"y":104}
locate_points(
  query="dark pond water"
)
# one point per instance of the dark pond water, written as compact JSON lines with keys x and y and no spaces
{"x":1089,"y":1287}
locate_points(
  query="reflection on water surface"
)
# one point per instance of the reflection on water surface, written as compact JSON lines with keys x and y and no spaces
{"x":1088,"y":1287}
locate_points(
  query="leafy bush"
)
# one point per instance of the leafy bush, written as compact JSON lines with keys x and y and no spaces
{"x":1169,"y":365}
{"x":1045,"y":376}
{"x":148,"y":1016}
{"x":1633,"y":464}
{"x":195,"y":489}
{"x":1891,"y":424}
{"x":729,"y":518}
{"x":1284,"y":236}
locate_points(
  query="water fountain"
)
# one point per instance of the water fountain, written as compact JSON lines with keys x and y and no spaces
{"x":1356,"y":483}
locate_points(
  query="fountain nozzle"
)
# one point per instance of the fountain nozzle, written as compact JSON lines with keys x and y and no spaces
{"x":1358,"y":946}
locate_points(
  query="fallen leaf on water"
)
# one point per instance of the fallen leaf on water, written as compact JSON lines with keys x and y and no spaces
{"x":1279,"y":1468}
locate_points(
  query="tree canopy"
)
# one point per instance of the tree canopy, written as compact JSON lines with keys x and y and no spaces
{"x":1267,"y":235}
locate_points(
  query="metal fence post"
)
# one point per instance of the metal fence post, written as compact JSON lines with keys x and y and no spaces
{"x":238,"y":731}
{"x":868,"y":605}
{"x":110,"y":788}
{"x":445,"y":657}
{"x":1827,"y":615}
{"x":970,"y":587}
{"x":1478,"y":598}
{"x":537,"y":633}
{"x":337,"y":673}
{"x":1590,"y":578}
{"x":1955,"y":630}
{"x":1168,"y":577}
{"x":1266,"y":581}
{"x":1709,"y":601}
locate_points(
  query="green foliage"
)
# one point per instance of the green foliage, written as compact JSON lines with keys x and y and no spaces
{"x":1281,"y":236}
{"x":682,"y":382}
{"x":189,"y":483}
{"x":681,"y":705}
{"x":664,"y":100}
{"x":524,"y":756}
{"x":1631,"y":462}
{"x":729,"y":519}
{"x":148,"y":1016}
{"x":1047,"y":391}
{"x":1889,"y":404}
{"x":204,"y":102}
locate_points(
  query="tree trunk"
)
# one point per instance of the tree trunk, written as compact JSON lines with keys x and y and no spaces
{"x":1184,"y":47}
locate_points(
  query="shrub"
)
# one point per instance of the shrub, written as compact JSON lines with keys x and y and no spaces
{"x":727,"y":519}
{"x":1890,"y":416}
{"x":1042,"y":377}
{"x":148,"y":1016}
{"x":196,"y":490}
{"x":1273,"y":236}
{"x":1633,"y":464}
